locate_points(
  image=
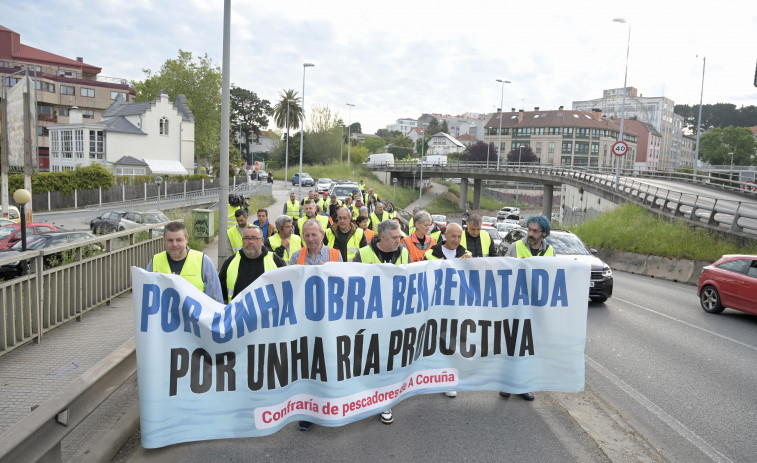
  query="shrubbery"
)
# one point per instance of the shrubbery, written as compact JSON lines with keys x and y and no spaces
{"x":83,"y":178}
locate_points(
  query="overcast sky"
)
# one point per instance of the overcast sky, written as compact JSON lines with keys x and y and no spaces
{"x":397,"y":59}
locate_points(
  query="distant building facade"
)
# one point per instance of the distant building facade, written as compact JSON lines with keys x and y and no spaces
{"x":61,"y":84}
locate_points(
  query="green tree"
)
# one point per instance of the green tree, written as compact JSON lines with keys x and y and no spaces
{"x":200,"y":81}
{"x":375,"y":145}
{"x":323,"y":136}
{"x":522,"y":155}
{"x":444,"y":127}
{"x":480,"y":152}
{"x":355,"y":127}
{"x":248,"y":114}
{"x":421,"y":141}
{"x":717,"y":145}
{"x":359,"y":154}
{"x":434,"y":127}
{"x":295,"y":110}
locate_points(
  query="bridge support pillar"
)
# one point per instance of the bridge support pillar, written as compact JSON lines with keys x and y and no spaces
{"x":546,"y":202}
{"x":464,"y":193}
{"x":476,"y":193}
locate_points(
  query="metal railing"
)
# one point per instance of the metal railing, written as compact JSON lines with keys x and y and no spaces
{"x":726,"y":214}
{"x":33,"y":304}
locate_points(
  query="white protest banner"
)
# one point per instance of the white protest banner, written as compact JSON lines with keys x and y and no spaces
{"x":341,"y":342}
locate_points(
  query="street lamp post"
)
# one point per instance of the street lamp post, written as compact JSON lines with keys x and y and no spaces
{"x":22,"y":197}
{"x":158,"y":180}
{"x":420,"y":186}
{"x":501,"y":102}
{"x":623,"y":105}
{"x":349,"y":133}
{"x":286,"y":155}
{"x":341,"y":146}
{"x":302,"y":125}
{"x":517,"y":184}
{"x":699,"y":122}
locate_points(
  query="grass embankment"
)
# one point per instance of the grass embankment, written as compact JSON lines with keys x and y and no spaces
{"x":631,"y":228}
{"x":403,"y":197}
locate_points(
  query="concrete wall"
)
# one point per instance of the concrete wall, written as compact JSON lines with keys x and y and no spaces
{"x":579,"y":205}
{"x":680,"y":270}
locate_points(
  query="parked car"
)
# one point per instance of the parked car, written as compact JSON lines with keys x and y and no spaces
{"x":503,"y":228}
{"x":307,"y":180}
{"x":323,"y":184}
{"x":135,"y":219}
{"x":488,"y":221}
{"x":514,"y":219}
{"x":441,"y":222}
{"x":11,"y":234}
{"x":731,"y":282}
{"x":4,"y":222}
{"x":494,"y":234}
{"x":507,"y":210}
{"x":106,"y":223}
{"x":567,"y":244}
{"x":343,"y":190}
{"x":261,"y":175}
{"x":46,"y":240}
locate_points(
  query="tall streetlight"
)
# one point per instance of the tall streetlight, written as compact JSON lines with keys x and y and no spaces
{"x":341,"y":145}
{"x":22,"y":197}
{"x":302,"y":125}
{"x":286,"y":156}
{"x":420,"y":188}
{"x":501,"y":102}
{"x":699,"y":122}
{"x":623,"y":105}
{"x":349,"y":133}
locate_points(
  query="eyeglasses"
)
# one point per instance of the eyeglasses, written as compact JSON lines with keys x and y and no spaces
{"x":251,"y":238}
{"x":535,"y":230}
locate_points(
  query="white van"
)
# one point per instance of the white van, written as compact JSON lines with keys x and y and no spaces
{"x":433,"y":160}
{"x":380,"y":159}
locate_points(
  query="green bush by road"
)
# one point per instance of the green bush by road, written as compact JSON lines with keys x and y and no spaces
{"x":631,"y":228}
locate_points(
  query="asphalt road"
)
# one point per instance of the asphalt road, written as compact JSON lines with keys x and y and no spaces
{"x":683,"y":378}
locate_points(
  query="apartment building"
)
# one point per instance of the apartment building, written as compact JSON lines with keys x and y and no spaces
{"x":562,"y":137}
{"x":61,"y":83}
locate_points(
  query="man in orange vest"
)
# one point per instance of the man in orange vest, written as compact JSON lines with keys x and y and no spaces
{"x":314,"y":253}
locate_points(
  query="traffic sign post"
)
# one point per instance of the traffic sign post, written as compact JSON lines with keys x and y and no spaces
{"x":620,"y":148}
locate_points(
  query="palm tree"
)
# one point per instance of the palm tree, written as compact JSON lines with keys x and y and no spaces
{"x":295,"y":110}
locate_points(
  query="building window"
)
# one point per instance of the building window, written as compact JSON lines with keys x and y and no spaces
{"x":164,"y":128}
{"x":554,"y":131}
{"x":551,"y":147}
{"x":5,"y":64}
{"x":79,"y":143}
{"x":64,"y":110}
{"x":582,"y":132}
{"x":65,"y":73}
{"x":114,"y":95}
{"x":88,"y":113}
{"x":11,"y":81}
{"x":582,"y":147}
{"x":538,"y":147}
{"x":55,"y":168}
{"x":66,"y":146}
{"x":44,"y":86}
{"x":567,"y":147}
{"x":55,"y":143}
{"x":594,"y":133}
{"x":567,"y":131}
{"x":595,"y":148}
{"x":90,"y":92}
{"x":42,"y":131}
{"x":96,"y":144}
{"x":67,"y":90}
{"x":537,"y":131}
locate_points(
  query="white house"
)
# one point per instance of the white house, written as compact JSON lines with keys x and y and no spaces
{"x":442,"y":143}
{"x":154,"y":137}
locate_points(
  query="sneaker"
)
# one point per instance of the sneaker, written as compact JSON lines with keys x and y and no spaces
{"x":451,"y":393}
{"x":528,"y":396}
{"x":386,"y":416}
{"x":504,"y":394}
{"x":304,"y":425}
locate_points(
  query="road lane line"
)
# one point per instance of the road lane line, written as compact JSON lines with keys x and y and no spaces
{"x":666,"y":418}
{"x":748,"y":346}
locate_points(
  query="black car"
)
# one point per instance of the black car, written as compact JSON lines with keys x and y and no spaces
{"x":42,"y":241}
{"x":567,"y":244}
{"x":106,"y":223}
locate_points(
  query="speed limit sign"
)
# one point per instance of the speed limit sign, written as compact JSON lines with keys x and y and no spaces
{"x":620,"y":148}
{"x":257,"y":166}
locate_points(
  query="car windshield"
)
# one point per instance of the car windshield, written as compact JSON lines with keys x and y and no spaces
{"x":304,"y":175}
{"x":156,"y":217}
{"x":7,"y":231}
{"x":504,"y":227}
{"x":324,"y":180}
{"x":568,"y":244}
{"x":488,"y":219}
{"x":439,"y":218}
{"x":33,"y":242}
{"x":344,"y":190}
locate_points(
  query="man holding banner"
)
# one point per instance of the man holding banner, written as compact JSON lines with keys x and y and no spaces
{"x":285,"y":242}
{"x":384,"y":248}
{"x":178,"y":259}
{"x":247,"y":264}
{"x":533,"y":244}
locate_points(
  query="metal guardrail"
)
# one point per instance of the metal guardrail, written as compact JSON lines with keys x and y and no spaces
{"x":37,"y":436}
{"x":730,"y":215}
{"x":34,"y":304}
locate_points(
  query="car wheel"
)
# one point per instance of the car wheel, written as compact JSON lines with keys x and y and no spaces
{"x":710,"y":300}
{"x":598,"y":299}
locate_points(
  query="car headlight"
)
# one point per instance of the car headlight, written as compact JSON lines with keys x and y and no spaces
{"x":606,"y":271}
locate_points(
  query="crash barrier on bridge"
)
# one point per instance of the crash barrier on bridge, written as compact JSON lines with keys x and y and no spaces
{"x":33,"y":304}
{"x":728,"y":215}
{"x":38,"y":436}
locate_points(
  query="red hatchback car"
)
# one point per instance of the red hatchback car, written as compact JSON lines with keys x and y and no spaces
{"x":11,"y":234}
{"x":729,"y":282}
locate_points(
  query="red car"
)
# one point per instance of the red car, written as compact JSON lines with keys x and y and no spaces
{"x":730,"y":282}
{"x":11,"y":234}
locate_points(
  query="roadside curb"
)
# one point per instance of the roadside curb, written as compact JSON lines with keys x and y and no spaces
{"x":107,"y":447}
{"x":614,"y":436}
{"x":678,"y":270}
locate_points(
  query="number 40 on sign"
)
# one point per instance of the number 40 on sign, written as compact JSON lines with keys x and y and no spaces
{"x":620,"y":148}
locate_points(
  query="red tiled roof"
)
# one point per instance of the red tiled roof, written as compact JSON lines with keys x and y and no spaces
{"x":35,"y":55}
{"x":553,"y":118}
{"x":467,"y":137}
